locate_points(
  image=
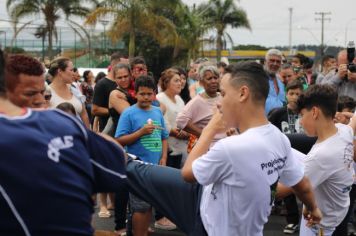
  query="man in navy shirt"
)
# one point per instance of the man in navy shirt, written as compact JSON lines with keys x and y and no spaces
{"x":50,"y":166}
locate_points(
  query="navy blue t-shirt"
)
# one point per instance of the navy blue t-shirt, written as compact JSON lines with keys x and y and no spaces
{"x":50,"y":165}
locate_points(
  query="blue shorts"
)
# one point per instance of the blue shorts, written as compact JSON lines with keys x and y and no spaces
{"x":138,"y":205}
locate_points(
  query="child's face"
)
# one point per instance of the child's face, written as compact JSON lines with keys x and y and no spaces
{"x":144,"y":97}
{"x":307,"y":121}
{"x":292,"y":96}
{"x":287,"y":75}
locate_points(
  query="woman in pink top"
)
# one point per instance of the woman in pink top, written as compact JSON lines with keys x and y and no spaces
{"x":198,"y":112}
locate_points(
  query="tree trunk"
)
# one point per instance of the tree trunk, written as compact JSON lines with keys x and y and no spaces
{"x":50,"y":42}
{"x":132,"y":43}
{"x":219,"y":46}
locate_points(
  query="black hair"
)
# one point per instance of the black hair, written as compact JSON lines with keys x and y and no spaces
{"x":116,"y":56}
{"x":66,"y":107}
{"x":137,"y":60}
{"x":2,"y":73}
{"x":345,"y":102}
{"x":86,"y":74}
{"x":294,"y":84}
{"x":99,"y":76}
{"x":145,"y":81}
{"x":308,"y":63}
{"x":321,"y":96}
{"x":75,"y":69}
{"x":252,"y":75}
{"x":301,"y":57}
{"x":326,"y":58}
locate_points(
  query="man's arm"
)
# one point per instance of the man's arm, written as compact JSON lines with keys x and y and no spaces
{"x":99,"y":111}
{"x":303,"y":190}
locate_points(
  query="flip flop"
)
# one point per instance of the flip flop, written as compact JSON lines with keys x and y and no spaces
{"x":104,"y":214}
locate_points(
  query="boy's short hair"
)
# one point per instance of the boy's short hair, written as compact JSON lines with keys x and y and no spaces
{"x":301,"y":57}
{"x":252,"y":75}
{"x":326,"y":58}
{"x":345,"y":102}
{"x":137,"y":60}
{"x":294,"y":84}
{"x":66,"y":107}
{"x":322,"y":96}
{"x":285,"y":66}
{"x":145,"y":81}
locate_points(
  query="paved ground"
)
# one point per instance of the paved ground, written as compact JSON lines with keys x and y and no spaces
{"x":274,"y":227}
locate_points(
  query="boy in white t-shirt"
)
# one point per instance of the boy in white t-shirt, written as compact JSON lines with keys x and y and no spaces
{"x":233,"y":184}
{"x":329,"y":163}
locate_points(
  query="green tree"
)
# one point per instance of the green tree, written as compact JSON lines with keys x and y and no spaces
{"x":136,"y":16}
{"x":221,"y":14}
{"x":50,"y":10}
{"x":191,"y":27}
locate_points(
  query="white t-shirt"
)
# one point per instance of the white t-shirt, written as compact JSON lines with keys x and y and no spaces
{"x":177,"y":146}
{"x":239,"y":175}
{"x":56,"y":100}
{"x":329,"y":166}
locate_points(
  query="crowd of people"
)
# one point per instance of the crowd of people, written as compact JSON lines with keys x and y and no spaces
{"x":239,"y":140}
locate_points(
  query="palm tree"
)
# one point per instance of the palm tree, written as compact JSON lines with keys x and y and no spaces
{"x":133,"y":16}
{"x":220,"y":15}
{"x":50,"y":10}
{"x":191,"y":27}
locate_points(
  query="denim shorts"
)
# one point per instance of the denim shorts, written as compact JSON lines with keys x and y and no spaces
{"x":138,"y":205}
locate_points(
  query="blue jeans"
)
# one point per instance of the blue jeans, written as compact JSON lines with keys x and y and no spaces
{"x":165,"y":189}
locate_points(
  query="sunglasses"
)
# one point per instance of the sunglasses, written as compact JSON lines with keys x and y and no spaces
{"x":48,"y":97}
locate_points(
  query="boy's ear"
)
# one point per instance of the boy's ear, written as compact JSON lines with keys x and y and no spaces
{"x":244,"y":93}
{"x":315,"y":112}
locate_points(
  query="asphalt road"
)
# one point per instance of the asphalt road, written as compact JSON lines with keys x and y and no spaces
{"x":274,"y":227}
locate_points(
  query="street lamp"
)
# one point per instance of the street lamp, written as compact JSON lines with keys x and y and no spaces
{"x":4,"y":32}
{"x":104,"y":23}
{"x":310,"y":32}
{"x":346,"y":29}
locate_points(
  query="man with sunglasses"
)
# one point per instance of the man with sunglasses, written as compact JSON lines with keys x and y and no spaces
{"x":26,"y":82}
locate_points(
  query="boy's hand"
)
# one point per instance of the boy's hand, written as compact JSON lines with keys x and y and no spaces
{"x":312,"y":217}
{"x":216,"y":123}
{"x":147,"y":129}
{"x":163,"y":161}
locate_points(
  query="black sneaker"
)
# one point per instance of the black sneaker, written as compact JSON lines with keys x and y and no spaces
{"x":291,"y":229}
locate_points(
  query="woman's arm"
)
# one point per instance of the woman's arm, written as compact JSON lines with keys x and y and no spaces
{"x":84,"y":117}
{"x":117,"y":102}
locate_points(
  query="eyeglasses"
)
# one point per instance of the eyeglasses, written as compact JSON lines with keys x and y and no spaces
{"x":47,"y":97}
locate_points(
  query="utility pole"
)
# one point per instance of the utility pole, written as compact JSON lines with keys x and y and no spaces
{"x":290,"y":28}
{"x":322,"y":19}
